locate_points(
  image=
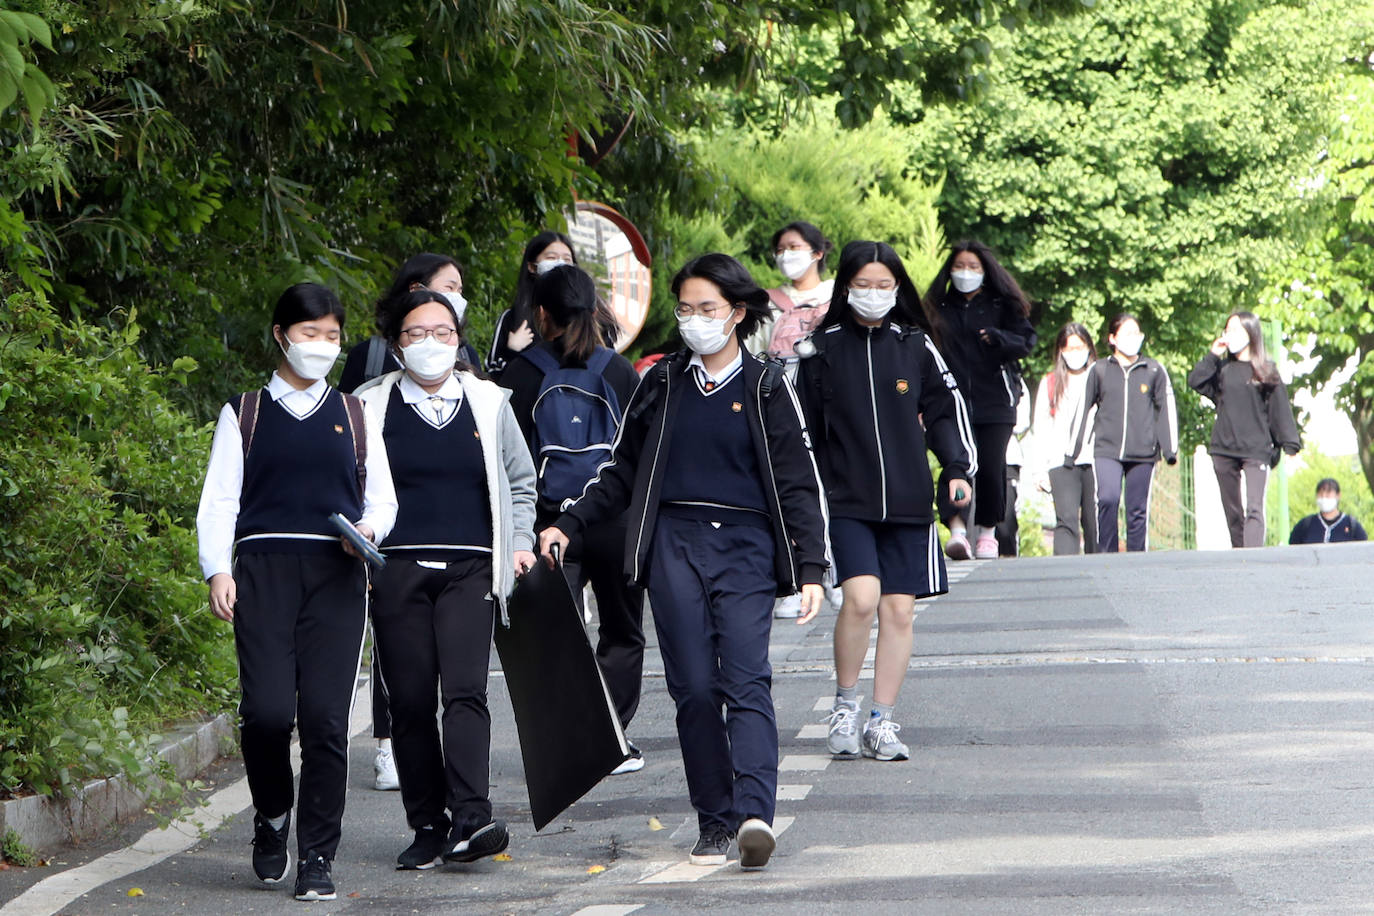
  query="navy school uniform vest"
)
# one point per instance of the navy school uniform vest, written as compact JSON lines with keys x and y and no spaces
{"x":298,"y":472}
{"x":441,"y":483}
{"x":712,"y":472}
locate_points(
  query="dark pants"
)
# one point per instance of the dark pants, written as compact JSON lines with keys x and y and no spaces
{"x":381,"y":716}
{"x":1075,"y":504}
{"x":989,"y":485}
{"x":1242,"y":504}
{"x":298,"y":629}
{"x":1137,"y":475}
{"x":598,"y":556}
{"x":712,"y":590}
{"x":433,"y":629}
{"x":1009,"y":528}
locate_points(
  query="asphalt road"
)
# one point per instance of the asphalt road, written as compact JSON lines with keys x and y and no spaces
{"x":1171,"y":732}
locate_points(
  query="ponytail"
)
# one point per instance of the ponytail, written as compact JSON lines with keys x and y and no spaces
{"x":574,"y":313}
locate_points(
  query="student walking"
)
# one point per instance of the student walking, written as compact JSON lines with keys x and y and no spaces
{"x":465,"y":486}
{"x":1329,"y":525}
{"x":1058,"y":406}
{"x":726,"y":512}
{"x":568,"y":393}
{"x":1009,"y":528}
{"x":374,"y":357}
{"x":799,"y":250}
{"x":980,"y":320}
{"x":1254,"y":423}
{"x":285,"y":458}
{"x":1130,"y":402}
{"x":877,"y":392}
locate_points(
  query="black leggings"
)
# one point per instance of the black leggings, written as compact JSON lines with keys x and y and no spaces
{"x":990,"y":484}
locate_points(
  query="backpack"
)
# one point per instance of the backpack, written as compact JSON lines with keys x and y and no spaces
{"x":576,"y":417}
{"x":247,"y":410}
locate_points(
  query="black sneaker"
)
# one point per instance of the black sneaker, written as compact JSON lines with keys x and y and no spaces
{"x":485,"y":841}
{"x":271,"y":859}
{"x":313,"y":881}
{"x":713,"y":848}
{"x":429,"y":846}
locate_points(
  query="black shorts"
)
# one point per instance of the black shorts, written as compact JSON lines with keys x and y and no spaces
{"x":906,"y":558}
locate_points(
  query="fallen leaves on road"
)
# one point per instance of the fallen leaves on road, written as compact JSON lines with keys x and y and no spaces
{"x":503,"y":857}
{"x":135,"y":892}
{"x":596,"y":869}
{"x":655,"y":824}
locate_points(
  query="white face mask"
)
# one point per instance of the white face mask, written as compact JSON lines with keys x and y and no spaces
{"x":429,"y":359}
{"x":1327,"y":504}
{"x":1075,"y":359}
{"x":966,"y":281}
{"x":310,"y":359}
{"x":543,"y":267}
{"x":1129,"y":345}
{"x":705,"y":335}
{"x":460,"y":305}
{"x":794,"y":264}
{"x":1237,"y":341}
{"x":872,"y":304}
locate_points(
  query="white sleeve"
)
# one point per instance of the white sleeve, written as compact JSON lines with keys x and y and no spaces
{"x":219,"y":498}
{"x":1042,"y":445}
{"x":379,"y":493}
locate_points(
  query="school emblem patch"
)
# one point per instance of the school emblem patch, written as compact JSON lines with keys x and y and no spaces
{"x":736,"y":406}
{"x":1144,"y":387}
{"x":903,"y":386}
{"x":476,"y":434}
{"x":338,"y":429}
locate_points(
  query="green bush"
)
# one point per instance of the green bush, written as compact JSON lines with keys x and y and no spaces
{"x":104,"y":633}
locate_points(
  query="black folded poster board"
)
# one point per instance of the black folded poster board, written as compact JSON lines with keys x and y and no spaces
{"x":570,"y":736}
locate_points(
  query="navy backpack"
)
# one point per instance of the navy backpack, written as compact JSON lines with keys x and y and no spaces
{"x":576,"y":417}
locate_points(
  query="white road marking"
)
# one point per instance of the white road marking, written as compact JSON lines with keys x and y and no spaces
{"x":53,"y":894}
{"x":819,"y":730}
{"x":685,"y":872}
{"x":793,"y":793}
{"x":792,"y":763}
{"x":609,"y":909}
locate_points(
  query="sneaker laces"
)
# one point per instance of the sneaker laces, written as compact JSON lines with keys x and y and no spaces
{"x":884,"y":731}
{"x":841,"y":719}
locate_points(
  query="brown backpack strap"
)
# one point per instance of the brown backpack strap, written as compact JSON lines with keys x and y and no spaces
{"x":248,"y":417}
{"x":358,"y":428}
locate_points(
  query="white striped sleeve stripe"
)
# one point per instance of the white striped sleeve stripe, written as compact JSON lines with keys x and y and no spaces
{"x":815,"y":471}
{"x":961,"y":417}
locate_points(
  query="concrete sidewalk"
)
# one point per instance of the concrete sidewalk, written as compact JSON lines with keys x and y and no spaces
{"x":1148,"y":733}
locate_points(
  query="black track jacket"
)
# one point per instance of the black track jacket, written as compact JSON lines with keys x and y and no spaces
{"x":1253,"y":420}
{"x":1137,"y":419}
{"x":985,"y":380}
{"x":865,"y":393}
{"x":633,"y":477}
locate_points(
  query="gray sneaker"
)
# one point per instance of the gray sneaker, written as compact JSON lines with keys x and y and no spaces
{"x":880,"y":741}
{"x":843,"y":740}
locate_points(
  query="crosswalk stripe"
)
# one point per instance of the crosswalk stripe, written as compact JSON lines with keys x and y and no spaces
{"x":818,"y":730}
{"x":793,"y":793}
{"x":685,"y":872}
{"x":791,"y":763}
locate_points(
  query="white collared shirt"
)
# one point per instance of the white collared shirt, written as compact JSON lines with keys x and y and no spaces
{"x":435,"y":409}
{"x":219,"y":498}
{"x":706,"y":378}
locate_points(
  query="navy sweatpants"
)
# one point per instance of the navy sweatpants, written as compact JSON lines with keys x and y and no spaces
{"x":711,"y":588}
{"x":1137,"y":476}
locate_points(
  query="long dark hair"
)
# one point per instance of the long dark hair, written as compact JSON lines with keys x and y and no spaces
{"x":735,"y":283}
{"x":998,"y":283}
{"x":418,"y":268}
{"x":1261,"y":366}
{"x":394,"y":311}
{"x":522,"y":307}
{"x":811,"y":236}
{"x":567,"y":297}
{"x":1059,"y":375}
{"x":1115,"y":324}
{"x":854,"y":257}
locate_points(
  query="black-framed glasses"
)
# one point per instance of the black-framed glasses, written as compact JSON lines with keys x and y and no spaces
{"x":709,"y":311}
{"x":443,"y":335}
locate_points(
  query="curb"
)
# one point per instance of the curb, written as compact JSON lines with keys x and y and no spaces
{"x":43,"y":822}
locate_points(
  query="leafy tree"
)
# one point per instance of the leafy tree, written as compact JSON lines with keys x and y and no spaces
{"x":1144,"y":159}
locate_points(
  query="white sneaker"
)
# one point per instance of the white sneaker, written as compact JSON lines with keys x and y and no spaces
{"x":880,"y":741}
{"x":756,"y":843}
{"x":843,"y":739}
{"x":631,"y":764}
{"x":384,"y":769}
{"x":788,"y":608}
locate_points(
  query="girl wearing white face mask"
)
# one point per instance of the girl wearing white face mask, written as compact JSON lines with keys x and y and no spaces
{"x":374,"y":357}
{"x":284,"y":459}
{"x":799,"y":251}
{"x":1128,"y":402}
{"x":725,"y":515}
{"x":464,"y":531}
{"x":1058,"y":403}
{"x":877,"y":394}
{"x":980,"y":320}
{"x":1254,"y":423}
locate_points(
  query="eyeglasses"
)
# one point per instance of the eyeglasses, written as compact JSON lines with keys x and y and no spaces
{"x":710,"y":311}
{"x":869,"y":284}
{"x":797,"y":247}
{"x":443,"y":335}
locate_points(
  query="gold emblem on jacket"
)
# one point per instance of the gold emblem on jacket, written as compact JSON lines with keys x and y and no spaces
{"x":736,"y":406}
{"x":338,"y":429}
{"x":1144,"y":387}
{"x":903,"y":386}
